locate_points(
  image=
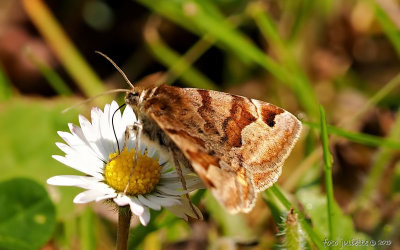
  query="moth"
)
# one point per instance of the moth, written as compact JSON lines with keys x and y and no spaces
{"x":236,"y":145}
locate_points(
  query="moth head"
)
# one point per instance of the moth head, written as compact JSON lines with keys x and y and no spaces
{"x":132,"y":98}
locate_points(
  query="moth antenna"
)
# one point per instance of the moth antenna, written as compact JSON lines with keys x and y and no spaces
{"x":116,"y":67}
{"x":94,"y":97}
{"x":113,"y":127}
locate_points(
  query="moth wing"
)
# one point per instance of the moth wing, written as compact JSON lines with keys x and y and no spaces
{"x":229,"y":140}
{"x":175,"y":111}
{"x":267,"y":142}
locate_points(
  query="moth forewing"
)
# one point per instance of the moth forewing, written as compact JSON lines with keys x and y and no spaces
{"x":236,"y":145}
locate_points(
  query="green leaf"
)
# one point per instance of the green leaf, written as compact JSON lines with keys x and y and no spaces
{"x":27,"y":215}
{"x":315,"y":205}
{"x":28,"y":132}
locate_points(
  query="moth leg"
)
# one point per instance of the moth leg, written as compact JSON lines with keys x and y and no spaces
{"x":136,"y":129}
{"x":183,"y":181}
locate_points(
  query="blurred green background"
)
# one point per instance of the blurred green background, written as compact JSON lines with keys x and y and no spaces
{"x":343,"y":55}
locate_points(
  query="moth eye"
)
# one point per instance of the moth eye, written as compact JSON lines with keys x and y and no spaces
{"x":132,"y":97}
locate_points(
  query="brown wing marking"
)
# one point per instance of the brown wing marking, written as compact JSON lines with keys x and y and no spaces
{"x":268,"y":113}
{"x":240,"y":117}
{"x":205,"y":111}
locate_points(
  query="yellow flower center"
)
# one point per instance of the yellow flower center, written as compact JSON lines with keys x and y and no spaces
{"x":145,"y":177}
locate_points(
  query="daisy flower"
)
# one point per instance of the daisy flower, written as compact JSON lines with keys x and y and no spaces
{"x":92,"y":149}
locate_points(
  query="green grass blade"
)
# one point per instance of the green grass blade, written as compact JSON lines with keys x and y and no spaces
{"x":266,"y":24}
{"x":63,"y":47}
{"x":328,"y":173}
{"x":300,"y":18}
{"x":396,"y":180}
{"x":88,"y":230}
{"x":301,"y":84}
{"x":5,"y":85}
{"x":173,"y":61}
{"x":389,"y":28}
{"x":362,"y":138}
{"x":172,"y":10}
{"x":55,"y":81}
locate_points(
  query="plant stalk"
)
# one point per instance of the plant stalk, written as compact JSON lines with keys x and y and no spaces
{"x":124,"y":221}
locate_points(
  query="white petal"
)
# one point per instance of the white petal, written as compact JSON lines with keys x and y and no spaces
{"x":73,"y":180}
{"x":164,"y":201}
{"x":164,"y":157}
{"x":91,"y":169}
{"x":119,"y":126}
{"x":93,"y":137}
{"x":82,"y":155}
{"x":171,"y":174}
{"x":77,"y":142}
{"x":136,"y":206}
{"x":185,"y":209}
{"x":178,"y":211}
{"x":106,"y":131}
{"x":197,"y":185}
{"x":145,"y":217}
{"x":64,"y":147}
{"x":105,"y":197}
{"x":170,"y":191}
{"x":148,"y":203}
{"x":128,"y":117}
{"x":172,"y":184}
{"x":96,"y":114}
{"x":77,"y":132}
{"x":87,"y":196}
{"x":123,"y":200}
{"x":193,"y":182}
{"x":188,"y":209}
{"x":71,"y":140}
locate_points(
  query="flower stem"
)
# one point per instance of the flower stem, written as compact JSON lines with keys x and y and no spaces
{"x":124,"y":221}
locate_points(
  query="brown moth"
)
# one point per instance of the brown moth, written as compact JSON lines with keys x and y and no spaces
{"x":235,"y":144}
